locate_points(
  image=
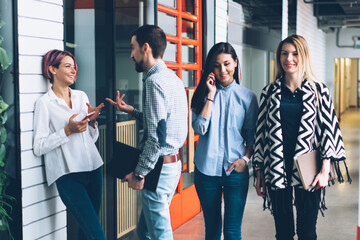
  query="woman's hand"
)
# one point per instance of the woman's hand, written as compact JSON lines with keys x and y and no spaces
{"x":97,"y":111}
{"x":120,"y":104}
{"x":239,"y":165}
{"x":210,"y":84}
{"x":76,"y":126}
{"x":322,"y":178}
{"x":260,"y":184}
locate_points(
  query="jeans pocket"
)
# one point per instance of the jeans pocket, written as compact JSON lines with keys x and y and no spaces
{"x":242,"y":170}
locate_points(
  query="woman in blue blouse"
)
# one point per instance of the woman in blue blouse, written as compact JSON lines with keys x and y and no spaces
{"x":224,"y":115}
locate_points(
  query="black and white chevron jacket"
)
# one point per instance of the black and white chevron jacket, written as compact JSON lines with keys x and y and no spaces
{"x":319,"y":128}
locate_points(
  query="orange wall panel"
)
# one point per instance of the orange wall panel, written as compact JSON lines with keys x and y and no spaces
{"x":190,"y":204}
{"x":175,"y":211}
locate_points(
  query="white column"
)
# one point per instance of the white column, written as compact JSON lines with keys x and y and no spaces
{"x":284,"y":20}
{"x":221,"y":20}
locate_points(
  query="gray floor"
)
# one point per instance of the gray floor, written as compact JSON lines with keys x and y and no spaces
{"x":341,"y":218}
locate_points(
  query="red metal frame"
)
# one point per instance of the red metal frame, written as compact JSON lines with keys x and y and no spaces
{"x":179,"y":40}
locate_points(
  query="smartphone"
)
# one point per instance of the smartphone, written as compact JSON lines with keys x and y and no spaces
{"x":88,"y":115}
{"x":213,"y":81}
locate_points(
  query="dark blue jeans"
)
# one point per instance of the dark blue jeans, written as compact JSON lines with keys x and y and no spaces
{"x":210,"y":190}
{"x":81,"y":193}
{"x":307,"y":209}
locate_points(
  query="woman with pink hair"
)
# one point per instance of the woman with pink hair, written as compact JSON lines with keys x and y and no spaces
{"x":65,"y":131}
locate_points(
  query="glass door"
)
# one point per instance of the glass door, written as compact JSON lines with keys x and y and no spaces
{"x":129,"y":15}
{"x":89,"y":33}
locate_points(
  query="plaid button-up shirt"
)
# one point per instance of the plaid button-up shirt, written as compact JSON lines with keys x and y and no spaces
{"x":164,"y":116}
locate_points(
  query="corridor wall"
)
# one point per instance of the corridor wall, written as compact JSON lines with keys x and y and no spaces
{"x":306,"y":26}
{"x":333,"y":51}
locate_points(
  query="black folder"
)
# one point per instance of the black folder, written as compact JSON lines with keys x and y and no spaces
{"x":125,"y":160}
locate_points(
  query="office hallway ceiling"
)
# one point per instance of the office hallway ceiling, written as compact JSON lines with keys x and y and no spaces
{"x":331,"y":14}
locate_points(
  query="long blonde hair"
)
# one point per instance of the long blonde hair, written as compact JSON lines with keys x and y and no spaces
{"x":304,"y":64}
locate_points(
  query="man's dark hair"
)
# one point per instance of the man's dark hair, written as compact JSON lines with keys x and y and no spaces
{"x":154,"y":36}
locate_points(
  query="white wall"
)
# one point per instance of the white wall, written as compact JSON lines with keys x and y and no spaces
{"x":221,"y":15}
{"x":40,"y":25}
{"x":306,"y":26}
{"x":253,"y":77}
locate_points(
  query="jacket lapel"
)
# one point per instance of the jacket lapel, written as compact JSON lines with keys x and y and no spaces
{"x":274,"y":122}
{"x":306,"y":135}
{"x":276,"y":164}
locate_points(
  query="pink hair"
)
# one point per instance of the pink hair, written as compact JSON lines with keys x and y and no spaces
{"x":53,"y":58}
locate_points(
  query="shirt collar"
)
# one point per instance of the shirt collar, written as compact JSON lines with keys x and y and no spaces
{"x":300,"y":89}
{"x":220,"y":87}
{"x":53,"y":96}
{"x":157,"y":67}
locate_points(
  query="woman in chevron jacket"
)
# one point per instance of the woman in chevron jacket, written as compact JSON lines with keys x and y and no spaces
{"x":296,"y":116}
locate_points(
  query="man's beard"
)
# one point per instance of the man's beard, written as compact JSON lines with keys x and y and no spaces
{"x":139,"y":66}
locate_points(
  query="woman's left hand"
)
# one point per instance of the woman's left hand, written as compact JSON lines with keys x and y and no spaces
{"x":239,"y":165}
{"x":97,"y":111}
{"x":322,"y":178}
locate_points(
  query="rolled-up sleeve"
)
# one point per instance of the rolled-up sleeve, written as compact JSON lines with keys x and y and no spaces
{"x":94,"y":132}
{"x":249,"y":127}
{"x":137,"y":114}
{"x":200,"y":123}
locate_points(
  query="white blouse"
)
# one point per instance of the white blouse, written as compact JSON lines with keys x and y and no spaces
{"x":64,"y":154}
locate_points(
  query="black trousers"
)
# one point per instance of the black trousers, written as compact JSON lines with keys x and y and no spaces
{"x":307,"y":209}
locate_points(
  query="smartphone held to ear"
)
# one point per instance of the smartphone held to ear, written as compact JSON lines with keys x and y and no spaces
{"x":213,"y":80}
{"x":88,"y":115}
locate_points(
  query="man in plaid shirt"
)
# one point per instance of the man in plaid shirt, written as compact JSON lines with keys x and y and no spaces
{"x":164,"y":116}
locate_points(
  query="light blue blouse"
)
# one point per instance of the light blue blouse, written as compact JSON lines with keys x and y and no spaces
{"x":225,"y":135}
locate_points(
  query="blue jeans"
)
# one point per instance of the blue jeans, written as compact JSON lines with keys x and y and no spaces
{"x":154,"y":222}
{"x":210,"y":190}
{"x":81,"y":194}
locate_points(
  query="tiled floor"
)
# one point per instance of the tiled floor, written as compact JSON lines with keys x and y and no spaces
{"x":341,"y":218}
